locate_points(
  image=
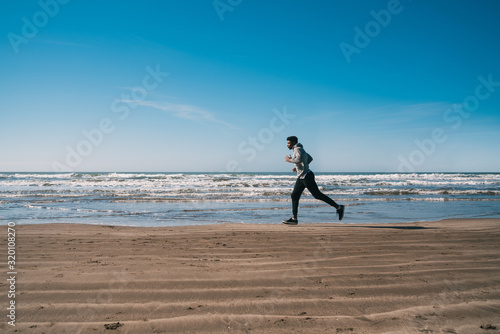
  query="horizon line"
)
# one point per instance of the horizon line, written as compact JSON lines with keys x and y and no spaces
{"x":249,"y":172}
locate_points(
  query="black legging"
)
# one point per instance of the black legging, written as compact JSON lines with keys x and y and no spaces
{"x":310,"y":183}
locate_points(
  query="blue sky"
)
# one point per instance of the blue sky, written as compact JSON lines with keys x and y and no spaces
{"x":217,"y":86}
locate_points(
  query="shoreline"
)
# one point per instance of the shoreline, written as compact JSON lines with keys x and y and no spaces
{"x":259,"y":278}
{"x":169,"y":199}
{"x":345,"y":222}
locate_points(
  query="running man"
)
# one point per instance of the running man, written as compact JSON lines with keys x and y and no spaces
{"x":305,"y":179}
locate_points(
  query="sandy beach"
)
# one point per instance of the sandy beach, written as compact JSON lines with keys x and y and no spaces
{"x":427,"y":277}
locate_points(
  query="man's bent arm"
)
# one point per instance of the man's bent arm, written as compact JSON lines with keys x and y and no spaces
{"x":296,"y":156}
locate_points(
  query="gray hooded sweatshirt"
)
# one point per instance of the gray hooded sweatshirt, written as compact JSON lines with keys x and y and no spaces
{"x":301,"y":159}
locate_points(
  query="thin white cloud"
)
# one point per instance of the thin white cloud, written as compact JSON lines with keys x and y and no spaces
{"x":425,"y":109}
{"x":184,"y":111}
{"x":63,"y":43}
{"x":409,"y":115}
{"x":385,"y":113}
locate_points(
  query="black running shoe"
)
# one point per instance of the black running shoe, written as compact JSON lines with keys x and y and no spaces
{"x":340,"y":212}
{"x":290,"y":221}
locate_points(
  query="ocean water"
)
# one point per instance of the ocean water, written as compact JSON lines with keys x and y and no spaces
{"x":173,"y":199}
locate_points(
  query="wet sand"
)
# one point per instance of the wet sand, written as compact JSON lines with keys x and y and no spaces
{"x":427,"y":277}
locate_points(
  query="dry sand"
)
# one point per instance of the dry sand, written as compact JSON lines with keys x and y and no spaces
{"x":429,"y":277}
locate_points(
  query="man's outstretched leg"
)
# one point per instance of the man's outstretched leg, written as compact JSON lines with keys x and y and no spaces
{"x":312,"y":186}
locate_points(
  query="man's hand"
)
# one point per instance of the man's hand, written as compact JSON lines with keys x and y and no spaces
{"x":288,"y":158}
{"x":294,"y":169}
